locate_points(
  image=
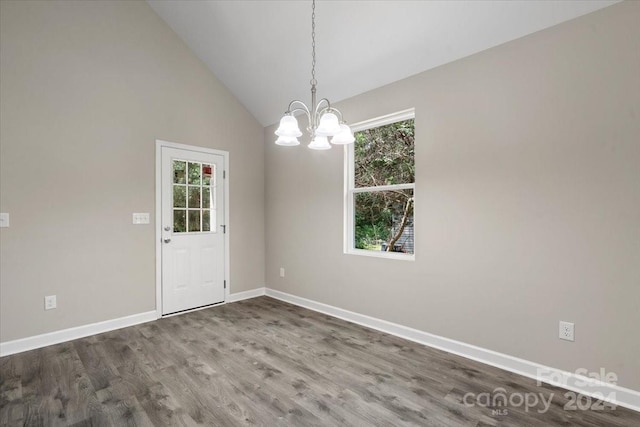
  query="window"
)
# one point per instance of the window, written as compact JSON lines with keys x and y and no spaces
{"x":379,"y":187}
{"x":193,"y":197}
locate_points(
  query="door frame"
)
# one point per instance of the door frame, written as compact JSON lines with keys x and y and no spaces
{"x":158,"y":222}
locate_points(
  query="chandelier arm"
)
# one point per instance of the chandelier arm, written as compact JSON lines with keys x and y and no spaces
{"x":295,"y":110}
{"x":303,"y":108}
{"x":302,"y":104}
{"x":305,"y":111}
{"x":327,"y":107}
{"x":335,"y":110}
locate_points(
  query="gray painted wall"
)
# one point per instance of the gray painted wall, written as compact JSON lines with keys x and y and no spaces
{"x":528,"y":195}
{"x":87,"y":88}
{"x":527,"y":201}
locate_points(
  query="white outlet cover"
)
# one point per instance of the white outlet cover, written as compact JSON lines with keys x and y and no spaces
{"x":50,"y":302}
{"x":566,"y":331}
{"x":4,"y":220}
{"x":281,"y":272}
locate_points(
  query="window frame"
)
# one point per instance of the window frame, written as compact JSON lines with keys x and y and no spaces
{"x":350,"y":190}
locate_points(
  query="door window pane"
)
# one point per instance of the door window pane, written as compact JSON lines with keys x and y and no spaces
{"x":206,"y":197}
{"x":207,"y":171}
{"x":206,"y":220}
{"x":179,"y":196}
{"x":194,"y":173}
{"x":194,"y":220}
{"x":179,"y":171}
{"x":179,"y":220}
{"x":194,"y":197}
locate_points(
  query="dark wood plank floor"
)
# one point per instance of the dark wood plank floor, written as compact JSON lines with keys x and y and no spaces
{"x":268,"y":363}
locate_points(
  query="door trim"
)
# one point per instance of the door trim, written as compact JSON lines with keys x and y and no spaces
{"x":158,"y":223}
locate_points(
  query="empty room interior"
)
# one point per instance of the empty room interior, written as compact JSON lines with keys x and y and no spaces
{"x":320,"y":213}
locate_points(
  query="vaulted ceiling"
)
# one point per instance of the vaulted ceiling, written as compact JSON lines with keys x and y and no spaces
{"x":261,"y":50}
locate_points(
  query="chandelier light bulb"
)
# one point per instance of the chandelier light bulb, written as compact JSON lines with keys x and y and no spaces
{"x":319,"y":143}
{"x":287,"y":141}
{"x":288,"y":127}
{"x":345,"y":136}
{"x":329,"y":125}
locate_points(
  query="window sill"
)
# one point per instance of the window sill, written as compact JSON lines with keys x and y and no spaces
{"x":381,"y":254}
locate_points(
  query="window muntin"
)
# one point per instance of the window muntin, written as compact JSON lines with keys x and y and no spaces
{"x":194,"y":201}
{"x":380,"y":185}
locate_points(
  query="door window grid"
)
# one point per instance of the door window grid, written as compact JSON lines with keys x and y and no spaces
{"x":193,"y":197}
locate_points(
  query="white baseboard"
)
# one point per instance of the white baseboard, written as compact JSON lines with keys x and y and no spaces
{"x":57,"y":337}
{"x":253,"y":293}
{"x":584,"y":385}
{"x":588,"y":386}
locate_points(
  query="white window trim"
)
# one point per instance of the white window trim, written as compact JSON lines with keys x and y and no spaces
{"x":349,"y":190}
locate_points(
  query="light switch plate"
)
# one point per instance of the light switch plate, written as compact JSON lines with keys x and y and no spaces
{"x":141,"y":218}
{"x":4,"y":220}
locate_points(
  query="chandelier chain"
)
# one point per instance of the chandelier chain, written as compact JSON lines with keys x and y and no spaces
{"x":313,"y":43}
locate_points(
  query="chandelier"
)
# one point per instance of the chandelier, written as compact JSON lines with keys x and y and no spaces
{"x":322,"y":117}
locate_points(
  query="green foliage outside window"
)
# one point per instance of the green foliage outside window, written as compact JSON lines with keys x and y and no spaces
{"x":383,"y":156}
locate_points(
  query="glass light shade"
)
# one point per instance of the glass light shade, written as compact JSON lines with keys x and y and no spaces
{"x":287,"y":141}
{"x":320,"y":143}
{"x":288,"y":127}
{"x":329,"y":125}
{"x":344,"y":136}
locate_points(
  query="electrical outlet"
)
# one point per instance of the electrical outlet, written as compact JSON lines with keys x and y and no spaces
{"x":281,"y":271}
{"x":4,"y":220}
{"x":566,"y":331}
{"x":50,"y":302}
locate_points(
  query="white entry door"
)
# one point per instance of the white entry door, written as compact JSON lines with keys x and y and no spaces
{"x":193,"y":229}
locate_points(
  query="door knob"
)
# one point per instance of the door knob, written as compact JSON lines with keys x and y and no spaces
{"x":167,"y":228}
{"x":167,"y":240}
